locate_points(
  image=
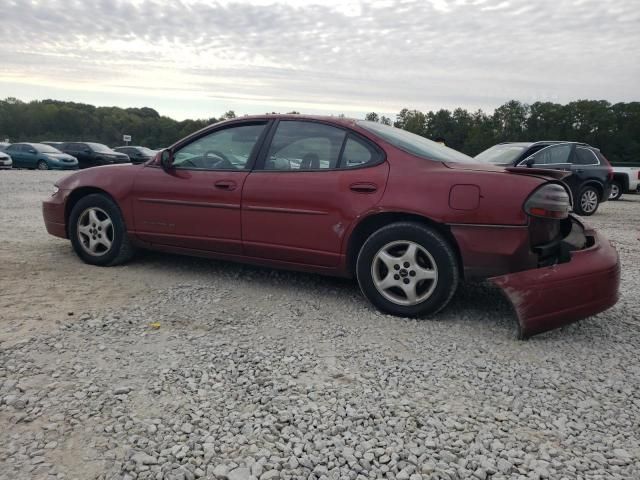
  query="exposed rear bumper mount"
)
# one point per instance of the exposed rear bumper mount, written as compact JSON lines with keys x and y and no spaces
{"x":550,"y":297}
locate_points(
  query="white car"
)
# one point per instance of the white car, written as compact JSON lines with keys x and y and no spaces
{"x":5,"y":160}
{"x":625,"y":180}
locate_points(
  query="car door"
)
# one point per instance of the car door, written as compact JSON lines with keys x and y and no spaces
{"x":15,"y":152}
{"x":75,"y":150}
{"x":196,"y":204}
{"x":30,"y":156}
{"x":585,"y":166}
{"x":311,"y":182}
{"x":554,"y":157}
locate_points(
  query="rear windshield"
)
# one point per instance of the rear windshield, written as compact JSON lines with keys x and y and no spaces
{"x":501,"y":154}
{"x":415,"y":144}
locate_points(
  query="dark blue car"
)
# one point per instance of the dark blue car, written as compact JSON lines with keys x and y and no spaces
{"x":40,"y":156}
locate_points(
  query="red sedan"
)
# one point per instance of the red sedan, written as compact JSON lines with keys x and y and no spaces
{"x":407,"y":217}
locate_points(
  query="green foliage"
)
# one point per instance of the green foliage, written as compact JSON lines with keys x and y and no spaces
{"x":52,"y":120}
{"x":615,"y":129}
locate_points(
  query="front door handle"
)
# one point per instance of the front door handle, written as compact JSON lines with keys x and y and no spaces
{"x":225,"y":185}
{"x":363,"y":187}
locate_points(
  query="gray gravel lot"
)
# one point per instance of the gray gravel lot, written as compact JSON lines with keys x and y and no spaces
{"x":180,"y":368}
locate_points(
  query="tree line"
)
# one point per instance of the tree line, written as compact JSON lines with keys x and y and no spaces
{"x":613,"y":128}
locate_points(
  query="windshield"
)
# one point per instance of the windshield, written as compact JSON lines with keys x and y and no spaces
{"x":98,"y":147}
{"x":501,"y":154}
{"x":415,"y":144}
{"x":42,"y":148}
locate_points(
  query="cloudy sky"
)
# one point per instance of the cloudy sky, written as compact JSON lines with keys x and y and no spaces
{"x":199,"y":58}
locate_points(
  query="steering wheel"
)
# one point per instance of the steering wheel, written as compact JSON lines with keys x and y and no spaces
{"x":223,"y":161}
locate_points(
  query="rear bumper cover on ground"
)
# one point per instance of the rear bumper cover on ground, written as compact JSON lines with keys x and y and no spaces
{"x":550,"y":297}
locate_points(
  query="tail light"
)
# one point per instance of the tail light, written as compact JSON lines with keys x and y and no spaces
{"x":549,"y":201}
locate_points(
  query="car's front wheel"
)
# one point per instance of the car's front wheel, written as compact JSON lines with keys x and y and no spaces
{"x":407,"y":269}
{"x":588,"y":201}
{"x":616,"y":191}
{"x":98,"y":232}
{"x":42,"y":165}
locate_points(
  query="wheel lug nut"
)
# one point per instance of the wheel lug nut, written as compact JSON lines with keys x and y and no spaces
{"x":412,"y":273}
{"x":396,"y":266}
{"x":396,"y":276}
{"x":406,"y":280}
{"x":406,"y":264}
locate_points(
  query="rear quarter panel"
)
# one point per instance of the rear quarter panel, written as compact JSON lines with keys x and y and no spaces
{"x":424,"y":187}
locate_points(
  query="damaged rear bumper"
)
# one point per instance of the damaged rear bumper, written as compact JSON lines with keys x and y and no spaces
{"x":550,"y":297}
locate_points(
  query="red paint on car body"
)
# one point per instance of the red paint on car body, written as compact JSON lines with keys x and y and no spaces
{"x":307,"y":220}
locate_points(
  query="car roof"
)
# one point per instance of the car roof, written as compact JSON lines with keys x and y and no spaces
{"x":297,"y":116}
{"x":543,"y":142}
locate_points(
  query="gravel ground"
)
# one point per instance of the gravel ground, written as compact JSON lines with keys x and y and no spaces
{"x":179,"y":368}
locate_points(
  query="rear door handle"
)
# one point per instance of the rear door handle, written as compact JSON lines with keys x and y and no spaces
{"x":363,"y":187}
{"x":225,"y":185}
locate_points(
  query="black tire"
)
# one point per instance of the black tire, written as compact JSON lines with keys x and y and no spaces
{"x":616,"y":190}
{"x":582,"y":206}
{"x":441,"y":254}
{"x":121,"y":249}
{"x":42,"y":165}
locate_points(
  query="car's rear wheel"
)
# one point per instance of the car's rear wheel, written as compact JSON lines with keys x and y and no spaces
{"x":407,"y":269}
{"x":42,"y":165}
{"x":98,"y":233}
{"x":616,"y":191}
{"x":588,"y":201}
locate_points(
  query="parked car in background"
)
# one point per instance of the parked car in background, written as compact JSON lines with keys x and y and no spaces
{"x":137,"y":154}
{"x":407,"y":217}
{"x":590,"y":173}
{"x":5,"y":160}
{"x":626,"y":179}
{"x":40,"y":156}
{"x":91,"y":154}
{"x":3,"y":146}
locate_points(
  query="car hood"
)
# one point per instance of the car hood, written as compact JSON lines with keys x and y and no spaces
{"x":486,"y":167}
{"x":99,"y":176}
{"x":4,"y":156}
{"x":60,"y":156}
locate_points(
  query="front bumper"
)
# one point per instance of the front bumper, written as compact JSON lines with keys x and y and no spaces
{"x":63,"y":166}
{"x":53,"y":214}
{"x":550,"y":297}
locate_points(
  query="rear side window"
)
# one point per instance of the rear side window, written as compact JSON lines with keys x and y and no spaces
{"x":585,"y":156}
{"x":305,"y":146}
{"x":357,"y":153}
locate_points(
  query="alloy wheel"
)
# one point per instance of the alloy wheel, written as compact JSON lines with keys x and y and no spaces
{"x":615,"y":191}
{"x":404,"y":272}
{"x":589,"y":201}
{"x":95,"y":231}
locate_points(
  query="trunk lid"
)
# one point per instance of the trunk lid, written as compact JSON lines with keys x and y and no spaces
{"x":543,"y":173}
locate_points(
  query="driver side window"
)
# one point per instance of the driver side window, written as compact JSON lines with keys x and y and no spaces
{"x":553,"y":155}
{"x":227,"y":149}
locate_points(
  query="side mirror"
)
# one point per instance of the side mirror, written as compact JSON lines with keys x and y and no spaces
{"x":530,"y":161}
{"x":166,"y":160}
